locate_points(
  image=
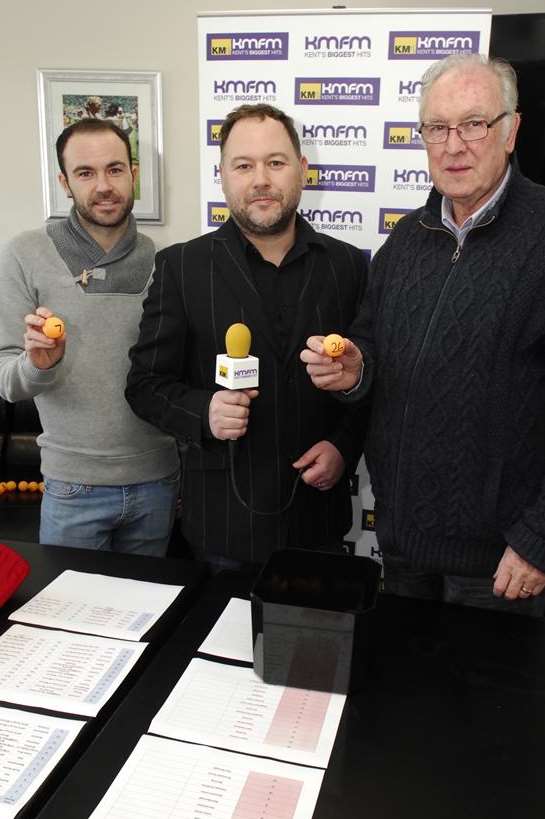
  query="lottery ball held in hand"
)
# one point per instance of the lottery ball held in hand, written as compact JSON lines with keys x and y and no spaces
{"x":53,"y":327}
{"x":333,"y":345}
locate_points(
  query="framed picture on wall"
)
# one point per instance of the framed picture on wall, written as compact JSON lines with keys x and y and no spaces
{"x":130,"y":99}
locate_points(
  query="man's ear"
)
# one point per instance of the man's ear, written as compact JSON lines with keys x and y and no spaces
{"x":304,"y":169}
{"x":62,"y":179}
{"x":511,"y":139}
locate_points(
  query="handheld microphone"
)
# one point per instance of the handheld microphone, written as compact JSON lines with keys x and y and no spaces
{"x":236,"y":369}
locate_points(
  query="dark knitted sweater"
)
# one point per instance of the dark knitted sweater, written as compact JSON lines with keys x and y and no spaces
{"x":455,"y":360}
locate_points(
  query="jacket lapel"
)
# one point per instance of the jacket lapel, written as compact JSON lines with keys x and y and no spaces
{"x":230,"y":264}
{"x":308,"y":300}
{"x":312,"y":292}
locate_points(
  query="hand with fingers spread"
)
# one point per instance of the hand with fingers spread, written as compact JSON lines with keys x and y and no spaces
{"x":322,"y":465}
{"x":326,"y":373}
{"x":515,"y":577}
{"x":229,"y":412}
{"x":42,"y":351}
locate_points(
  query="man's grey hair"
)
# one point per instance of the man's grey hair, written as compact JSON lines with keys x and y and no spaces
{"x":459,"y":63}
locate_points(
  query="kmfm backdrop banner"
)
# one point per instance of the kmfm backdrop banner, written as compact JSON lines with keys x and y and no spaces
{"x":350,"y":78}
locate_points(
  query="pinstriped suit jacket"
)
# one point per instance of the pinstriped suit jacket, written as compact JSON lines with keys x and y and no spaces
{"x":199,"y":289}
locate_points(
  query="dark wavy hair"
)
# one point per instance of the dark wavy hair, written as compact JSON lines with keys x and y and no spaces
{"x":89,"y":126}
{"x":260,"y":112}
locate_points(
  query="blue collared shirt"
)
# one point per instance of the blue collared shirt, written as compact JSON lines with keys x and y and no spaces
{"x":461,"y":232}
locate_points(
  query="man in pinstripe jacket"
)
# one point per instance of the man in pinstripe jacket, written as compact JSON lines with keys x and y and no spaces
{"x":268,"y":268}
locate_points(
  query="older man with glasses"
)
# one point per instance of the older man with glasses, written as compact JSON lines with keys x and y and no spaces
{"x":449,"y":350}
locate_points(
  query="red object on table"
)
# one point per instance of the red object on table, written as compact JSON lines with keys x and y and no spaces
{"x":13,"y":570}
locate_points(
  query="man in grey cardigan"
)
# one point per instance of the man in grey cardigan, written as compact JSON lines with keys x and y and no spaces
{"x":111,"y":479}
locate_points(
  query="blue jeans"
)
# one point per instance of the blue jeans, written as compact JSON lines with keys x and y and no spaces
{"x":135,"y":519}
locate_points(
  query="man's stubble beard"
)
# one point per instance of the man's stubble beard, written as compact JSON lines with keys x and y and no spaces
{"x":287,"y":212}
{"x":88,"y":215}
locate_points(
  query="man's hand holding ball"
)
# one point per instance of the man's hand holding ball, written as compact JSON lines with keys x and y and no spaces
{"x":44,"y":338}
{"x":53,"y":327}
{"x":333,"y":362}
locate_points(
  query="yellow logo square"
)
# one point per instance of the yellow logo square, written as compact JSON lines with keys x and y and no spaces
{"x":391,"y":220}
{"x":399,"y":136}
{"x":215,"y":132}
{"x":310,"y":91}
{"x":405,"y":45}
{"x":219,"y":215}
{"x":223,"y":46}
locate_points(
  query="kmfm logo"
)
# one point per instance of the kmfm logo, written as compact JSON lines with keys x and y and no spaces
{"x":216,"y":174}
{"x":334,"y":135}
{"x":324,"y":219}
{"x":213,"y":128}
{"x":359,"y":178}
{"x":412,"y":175}
{"x":408,"y":90}
{"x":246,"y":372}
{"x":389,"y":217}
{"x":411,"y":179}
{"x":429,"y":45}
{"x":402,"y":135}
{"x":248,"y":90}
{"x":247,"y":46}
{"x":337,"y":90}
{"x":343,"y":46}
{"x":218,"y":214}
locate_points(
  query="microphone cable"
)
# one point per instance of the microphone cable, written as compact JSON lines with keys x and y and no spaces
{"x":240,"y":499}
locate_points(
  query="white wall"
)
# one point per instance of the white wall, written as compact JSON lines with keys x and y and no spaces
{"x":125,"y":34}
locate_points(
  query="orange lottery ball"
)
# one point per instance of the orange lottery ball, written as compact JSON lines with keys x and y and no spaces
{"x":32,"y":486}
{"x":53,"y":327}
{"x":41,"y":487}
{"x":11,"y":485}
{"x":333,"y":345}
{"x":22,"y":486}
{"x":2,"y":489}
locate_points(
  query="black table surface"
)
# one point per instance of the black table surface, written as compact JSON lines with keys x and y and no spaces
{"x":450,"y":722}
{"x":46,"y":563}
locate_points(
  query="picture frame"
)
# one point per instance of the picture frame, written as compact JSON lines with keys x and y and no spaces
{"x":131,"y":99}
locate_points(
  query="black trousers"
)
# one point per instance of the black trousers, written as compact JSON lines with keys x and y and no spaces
{"x":401,"y":579}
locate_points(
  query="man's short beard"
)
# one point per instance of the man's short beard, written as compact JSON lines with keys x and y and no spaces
{"x":89,"y":217}
{"x":247,"y":224}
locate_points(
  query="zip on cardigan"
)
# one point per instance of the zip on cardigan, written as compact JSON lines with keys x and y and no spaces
{"x":456,"y":255}
{"x":438,"y":305}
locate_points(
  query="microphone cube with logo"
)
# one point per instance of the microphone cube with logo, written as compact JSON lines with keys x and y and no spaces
{"x":236,"y":370}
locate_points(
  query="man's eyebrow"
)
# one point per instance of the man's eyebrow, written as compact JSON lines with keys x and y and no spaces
{"x":471,"y":115}
{"x":269,"y":156}
{"x":84,"y":167}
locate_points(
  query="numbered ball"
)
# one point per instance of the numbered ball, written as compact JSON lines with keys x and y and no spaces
{"x":53,"y":327}
{"x":333,"y":345}
{"x":22,"y":486}
{"x":11,"y":485}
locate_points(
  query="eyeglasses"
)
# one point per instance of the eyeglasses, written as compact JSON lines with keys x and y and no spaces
{"x":470,"y":131}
